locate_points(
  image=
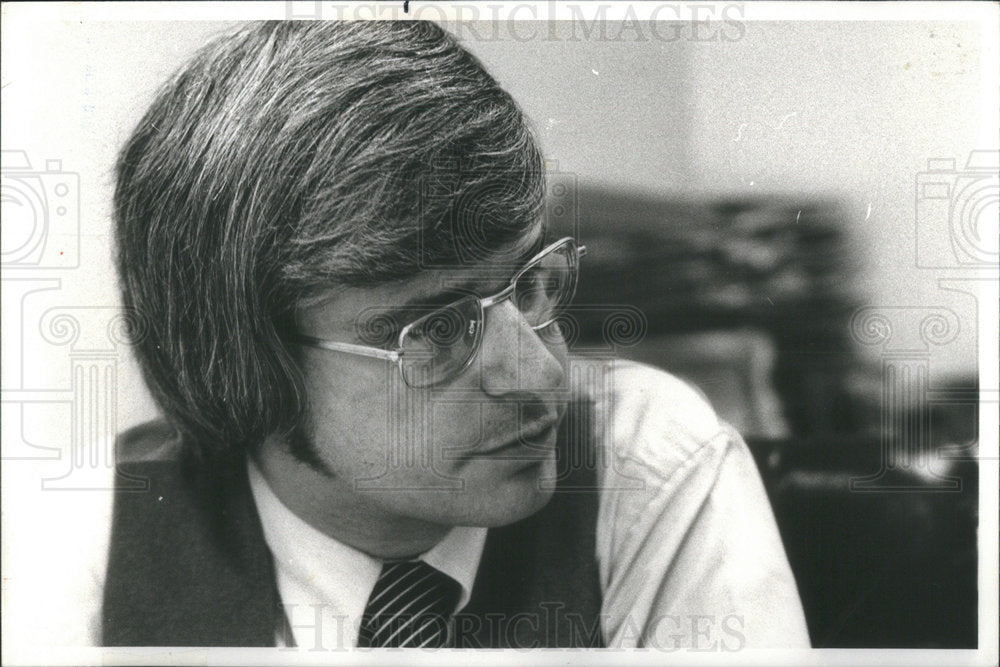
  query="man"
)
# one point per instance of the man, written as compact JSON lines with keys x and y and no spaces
{"x":330,"y":235}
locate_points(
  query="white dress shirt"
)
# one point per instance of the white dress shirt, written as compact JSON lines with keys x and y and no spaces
{"x":688,"y":551}
{"x":324,"y":584}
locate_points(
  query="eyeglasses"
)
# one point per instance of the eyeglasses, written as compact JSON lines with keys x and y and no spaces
{"x":440,"y":345}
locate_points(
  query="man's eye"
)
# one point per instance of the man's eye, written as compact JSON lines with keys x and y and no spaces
{"x":533,"y":288}
{"x":441,"y":328}
{"x":378,"y":329}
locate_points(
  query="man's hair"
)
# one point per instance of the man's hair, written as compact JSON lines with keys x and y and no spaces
{"x":288,"y":159}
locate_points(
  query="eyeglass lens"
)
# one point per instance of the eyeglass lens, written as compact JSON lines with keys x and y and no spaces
{"x":546,"y":286}
{"x":441,"y":344}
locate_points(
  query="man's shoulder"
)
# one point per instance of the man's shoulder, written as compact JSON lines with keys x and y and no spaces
{"x":645,"y":396}
{"x":652,"y":418}
{"x":154,"y":441}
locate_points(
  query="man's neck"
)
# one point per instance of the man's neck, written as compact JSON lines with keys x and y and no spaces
{"x":332,"y":507}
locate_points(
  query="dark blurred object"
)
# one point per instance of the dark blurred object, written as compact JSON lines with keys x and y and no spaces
{"x":776,"y":266}
{"x":752,"y":302}
{"x":877,"y":568}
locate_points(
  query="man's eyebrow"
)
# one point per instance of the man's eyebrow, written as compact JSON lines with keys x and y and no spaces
{"x":455,"y":290}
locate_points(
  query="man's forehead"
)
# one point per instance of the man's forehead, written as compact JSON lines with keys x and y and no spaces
{"x":345,"y":306}
{"x":471,"y":274}
{"x":507,"y":260}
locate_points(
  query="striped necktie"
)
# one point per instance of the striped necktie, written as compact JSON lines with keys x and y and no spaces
{"x":409,"y":606}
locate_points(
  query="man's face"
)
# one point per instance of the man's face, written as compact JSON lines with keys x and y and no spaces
{"x":471,"y":451}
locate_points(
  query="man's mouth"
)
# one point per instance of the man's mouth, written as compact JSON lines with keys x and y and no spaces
{"x":538,"y":436}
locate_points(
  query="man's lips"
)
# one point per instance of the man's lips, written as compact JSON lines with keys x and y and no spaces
{"x":536,"y":436}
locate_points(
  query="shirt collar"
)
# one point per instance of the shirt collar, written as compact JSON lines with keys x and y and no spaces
{"x":338,"y":574}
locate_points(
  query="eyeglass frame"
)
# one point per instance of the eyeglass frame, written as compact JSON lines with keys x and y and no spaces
{"x":396,"y":355}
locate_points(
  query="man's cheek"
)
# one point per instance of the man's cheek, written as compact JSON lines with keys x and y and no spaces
{"x":455,"y":427}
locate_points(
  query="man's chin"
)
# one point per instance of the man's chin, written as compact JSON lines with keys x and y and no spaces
{"x":491,"y":503}
{"x":521,"y":495}
{"x":511,"y":512}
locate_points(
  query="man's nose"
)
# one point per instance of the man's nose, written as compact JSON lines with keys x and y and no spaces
{"x":514,"y":357}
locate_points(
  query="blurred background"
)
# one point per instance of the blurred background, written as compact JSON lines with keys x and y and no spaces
{"x":793,"y":216}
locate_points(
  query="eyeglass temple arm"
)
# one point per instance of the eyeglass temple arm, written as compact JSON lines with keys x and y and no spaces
{"x":373,"y":352}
